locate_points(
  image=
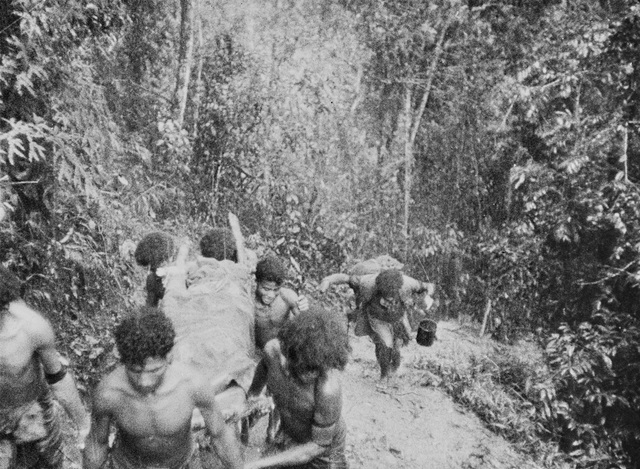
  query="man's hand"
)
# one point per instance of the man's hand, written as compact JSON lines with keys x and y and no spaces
{"x":303,"y":303}
{"x":83,"y":432}
{"x":323,"y":287}
{"x":429,"y":288}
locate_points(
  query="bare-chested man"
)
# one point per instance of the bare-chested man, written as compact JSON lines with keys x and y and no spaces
{"x":150,"y":400}
{"x":382,"y":301}
{"x":274,"y":303}
{"x":301,"y":370}
{"x":31,"y":374}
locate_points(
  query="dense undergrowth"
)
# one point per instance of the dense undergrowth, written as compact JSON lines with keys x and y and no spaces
{"x":518,"y":391}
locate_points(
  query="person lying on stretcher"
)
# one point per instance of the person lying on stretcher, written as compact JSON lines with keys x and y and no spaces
{"x":210,"y":302}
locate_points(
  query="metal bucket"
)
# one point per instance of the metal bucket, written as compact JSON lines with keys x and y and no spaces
{"x":426,"y":333}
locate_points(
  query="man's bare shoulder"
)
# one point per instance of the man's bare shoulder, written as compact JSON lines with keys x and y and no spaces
{"x":111,"y":390}
{"x":37,"y":326}
{"x":289,"y":296}
{"x":187,"y":378}
{"x":363,"y":281}
{"x":328,"y":398}
{"x":329,"y":384}
{"x":182,"y":373}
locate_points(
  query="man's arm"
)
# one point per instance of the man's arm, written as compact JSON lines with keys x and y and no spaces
{"x":326,"y":418}
{"x":295,"y":303}
{"x":335,"y":279}
{"x":411,"y":285}
{"x":96,"y":447}
{"x":223,"y":437}
{"x":259,"y":377}
{"x":60,"y":380}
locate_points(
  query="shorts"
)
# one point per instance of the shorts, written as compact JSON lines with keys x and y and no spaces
{"x":33,"y":432}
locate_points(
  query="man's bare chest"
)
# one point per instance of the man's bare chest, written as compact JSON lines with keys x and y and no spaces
{"x":274,"y":313}
{"x":154,"y":416}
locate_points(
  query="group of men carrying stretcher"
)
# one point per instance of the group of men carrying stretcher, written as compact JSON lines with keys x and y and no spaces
{"x":216,"y":333}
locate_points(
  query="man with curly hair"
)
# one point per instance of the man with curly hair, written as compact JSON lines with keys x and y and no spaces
{"x":150,"y":400}
{"x":382,"y":303}
{"x":31,"y":375}
{"x":301,"y":369}
{"x":275,"y":304}
{"x":154,"y":251}
{"x":219,"y":243}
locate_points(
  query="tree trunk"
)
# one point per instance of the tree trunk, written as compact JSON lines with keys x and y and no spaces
{"x":197,"y":97}
{"x":411,"y":128}
{"x":185,"y":61}
{"x":408,"y":163}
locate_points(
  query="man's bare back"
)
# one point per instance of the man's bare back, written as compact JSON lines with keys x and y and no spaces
{"x":31,"y":375}
{"x":23,"y":334}
{"x":297,"y":400}
{"x":300,"y":370}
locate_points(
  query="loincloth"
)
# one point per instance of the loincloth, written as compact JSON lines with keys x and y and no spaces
{"x":363,"y":327}
{"x":333,"y":458}
{"x":32,"y":432}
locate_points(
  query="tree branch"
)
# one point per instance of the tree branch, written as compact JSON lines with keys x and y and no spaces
{"x":430,"y":74}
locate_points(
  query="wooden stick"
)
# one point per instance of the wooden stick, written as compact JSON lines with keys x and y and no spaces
{"x":234,"y":223}
{"x":487,"y":310}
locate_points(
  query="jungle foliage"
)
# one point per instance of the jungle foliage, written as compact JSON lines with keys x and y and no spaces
{"x":493,"y":146}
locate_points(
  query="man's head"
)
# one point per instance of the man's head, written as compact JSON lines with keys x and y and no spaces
{"x":219,"y":244}
{"x":10,"y":287}
{"x":388,"y":284}
{"x":314,"y":342}
{"x":154,"y":250}
{"x":270,"y":274}
{"x":144,"y":340}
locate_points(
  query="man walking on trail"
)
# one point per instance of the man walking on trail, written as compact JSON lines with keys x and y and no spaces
{"x":31,"y":375}
{"x":155,"y":250}
{"x":382,"y":301}
{"x":274,"y":303}
{"x":150,"y":400}
{"x":301,"y":371}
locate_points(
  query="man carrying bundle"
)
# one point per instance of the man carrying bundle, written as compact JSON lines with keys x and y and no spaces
{"x":382,"y":301}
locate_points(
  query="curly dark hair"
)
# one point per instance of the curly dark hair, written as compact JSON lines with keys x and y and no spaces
{"x":271,"y":269}
{"x":10,"y":287}
{"x":146,"y":333}
{"x":316,"y":338}
{"x":388,"y":283}
{"x":219,"y":244}
{"x":154,"y":249}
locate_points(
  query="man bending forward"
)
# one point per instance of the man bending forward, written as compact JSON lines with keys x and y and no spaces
{"x":150,"y":400}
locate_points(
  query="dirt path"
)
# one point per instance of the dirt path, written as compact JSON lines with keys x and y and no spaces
{"x":409,"y":424}
{"x":413,"y":425}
